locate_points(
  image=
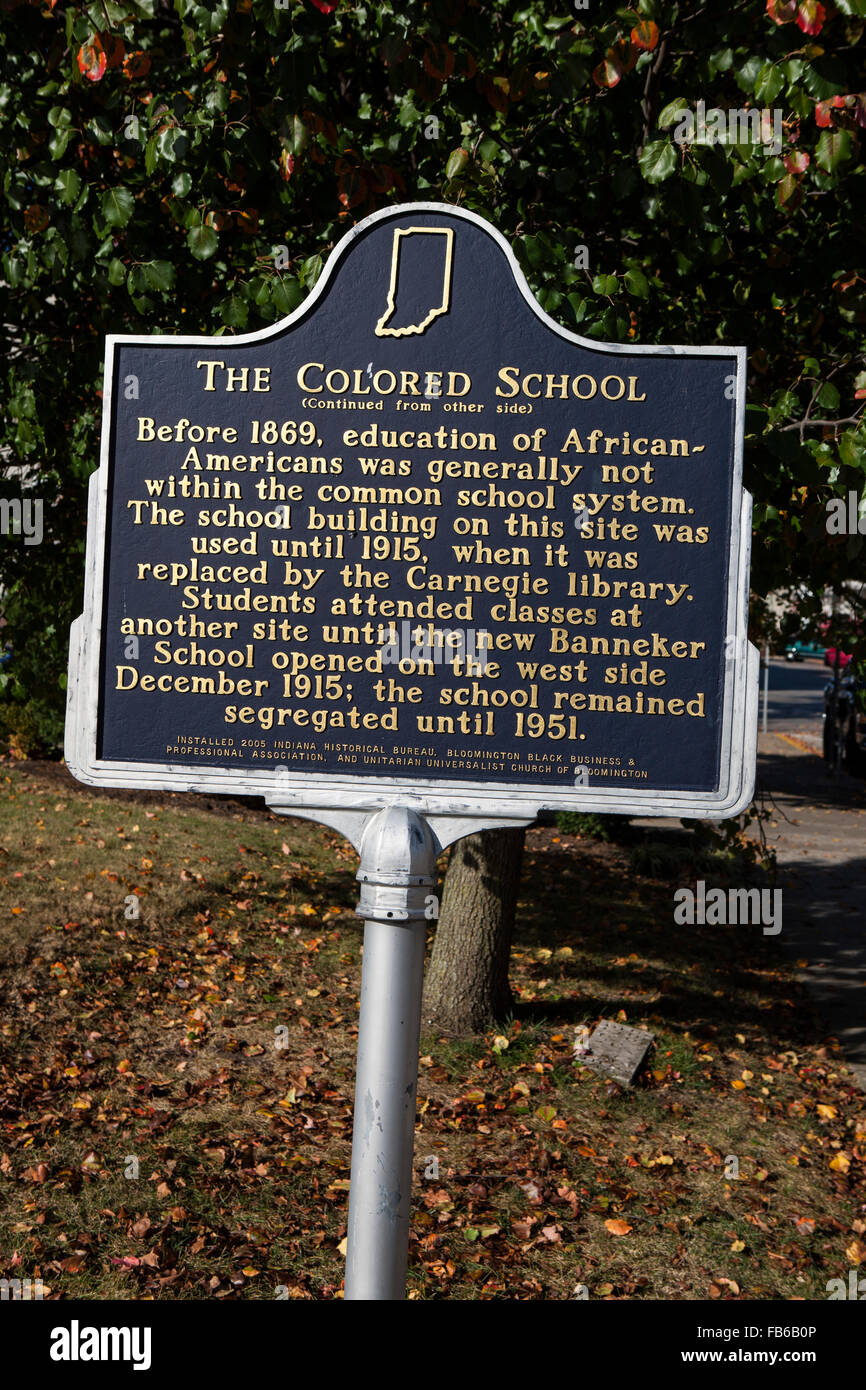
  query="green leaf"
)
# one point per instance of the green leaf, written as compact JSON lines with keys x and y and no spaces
{"x":747,"y":73}
{"x":102,"y":130}
{"x":286,"y":294}
{"x":136,"y":281}
{"x":117,"y":206}
{"x":769,"y":85}
{"x":671,"y":113}
{"x":160,"y":275}
{"x":68,"y":185}
{"x":579,"y":307}
{"x":202,"y":242}
{"x":658,"y":161}
{"x":116,"y":271}
{"x":636,"y":283}
{"x":835,"y":147}
{"x":234,"y":311}
{"x":59,"y":142}
{"x":828,"y":396}
{"x":605,"y":284}
{"x":457,"y":161}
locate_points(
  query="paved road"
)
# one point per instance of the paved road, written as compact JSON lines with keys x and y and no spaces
{"x":796,"y":690}
{"x":820,"y":842}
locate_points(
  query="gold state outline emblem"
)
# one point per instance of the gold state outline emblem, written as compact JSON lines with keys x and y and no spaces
{"x":382,"y":331}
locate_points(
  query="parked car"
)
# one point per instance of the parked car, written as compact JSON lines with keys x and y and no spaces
{"x":845,"y":721}
{"x":799,"y":649}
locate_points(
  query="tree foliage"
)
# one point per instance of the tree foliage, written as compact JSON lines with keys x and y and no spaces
{"x":187,"y":167}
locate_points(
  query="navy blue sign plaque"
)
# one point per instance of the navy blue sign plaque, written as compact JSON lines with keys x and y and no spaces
{"x":417,"y":540}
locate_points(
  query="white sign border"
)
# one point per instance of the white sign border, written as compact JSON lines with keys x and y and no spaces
{"x":351,"y":795}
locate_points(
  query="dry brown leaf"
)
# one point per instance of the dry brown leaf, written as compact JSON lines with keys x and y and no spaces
{"x":617,"y":1227}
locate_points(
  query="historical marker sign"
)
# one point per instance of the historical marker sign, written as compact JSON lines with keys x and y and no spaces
{"x":418,"y":541}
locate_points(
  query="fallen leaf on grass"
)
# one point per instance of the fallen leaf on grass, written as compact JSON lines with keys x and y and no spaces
{"x":617,"y":1228}
{"x":718,"y":1287}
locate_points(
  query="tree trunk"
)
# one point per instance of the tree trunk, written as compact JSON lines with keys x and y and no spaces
{"x":466,"y":988}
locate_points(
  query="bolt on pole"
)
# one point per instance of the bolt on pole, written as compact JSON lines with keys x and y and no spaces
{"x":398,"y":866}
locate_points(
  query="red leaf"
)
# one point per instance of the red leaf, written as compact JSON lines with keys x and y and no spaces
{"x":439,"y":61}
{"x":352,"y":188}
{"x":326,"y":6}
{"x":136,"y":64}
{"x":626,"y":53}
{"x":797,"y":162}
{"x":645,"y":34}
{"x":35,"y":218}
{"x":114,"y":51}
{"x":92,"y":61}
{"x":811,"y":16}
{"x":608,"y":72}
{"x":822,"y":115}
{"x":782,"y":11}
{"x":789,"y":191}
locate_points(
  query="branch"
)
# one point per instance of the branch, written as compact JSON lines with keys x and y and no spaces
{"x":647,"y":104}
{"x":835,"y":424}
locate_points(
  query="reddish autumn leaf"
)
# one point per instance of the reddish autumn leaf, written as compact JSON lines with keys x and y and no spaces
{"x":287,"y":165}
{"x":822,"y":115}
{"x":608,"y":72}
{"x":811,"y":16}
{"x":805,"y":1225}
{"x":797,"y":162}
{"x":326,"y":6}
{"x":352,"y":188}
{"x":35,"y":220}
{"x":115,"y":50}
{"x":789,"y":192}
{"x":617,"y":1227}
{"x":626,"y":53}
{"x":92,"y":60}
{"x":520,"y":82}
{"x":782,"y":11}
{"x":438,"y":61}
{"x":645,"y":34}
{"x":136,"y":64}
{"x":73,"y":1264}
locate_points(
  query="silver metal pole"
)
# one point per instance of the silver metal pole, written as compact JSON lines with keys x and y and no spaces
{"x":398,"y":865}
{"x":766,"y":683}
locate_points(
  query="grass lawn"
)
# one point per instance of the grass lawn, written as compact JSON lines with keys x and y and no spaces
{"x":176,"y":1087}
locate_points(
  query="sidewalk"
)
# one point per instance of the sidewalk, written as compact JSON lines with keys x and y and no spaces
{"x":820,"y":842}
